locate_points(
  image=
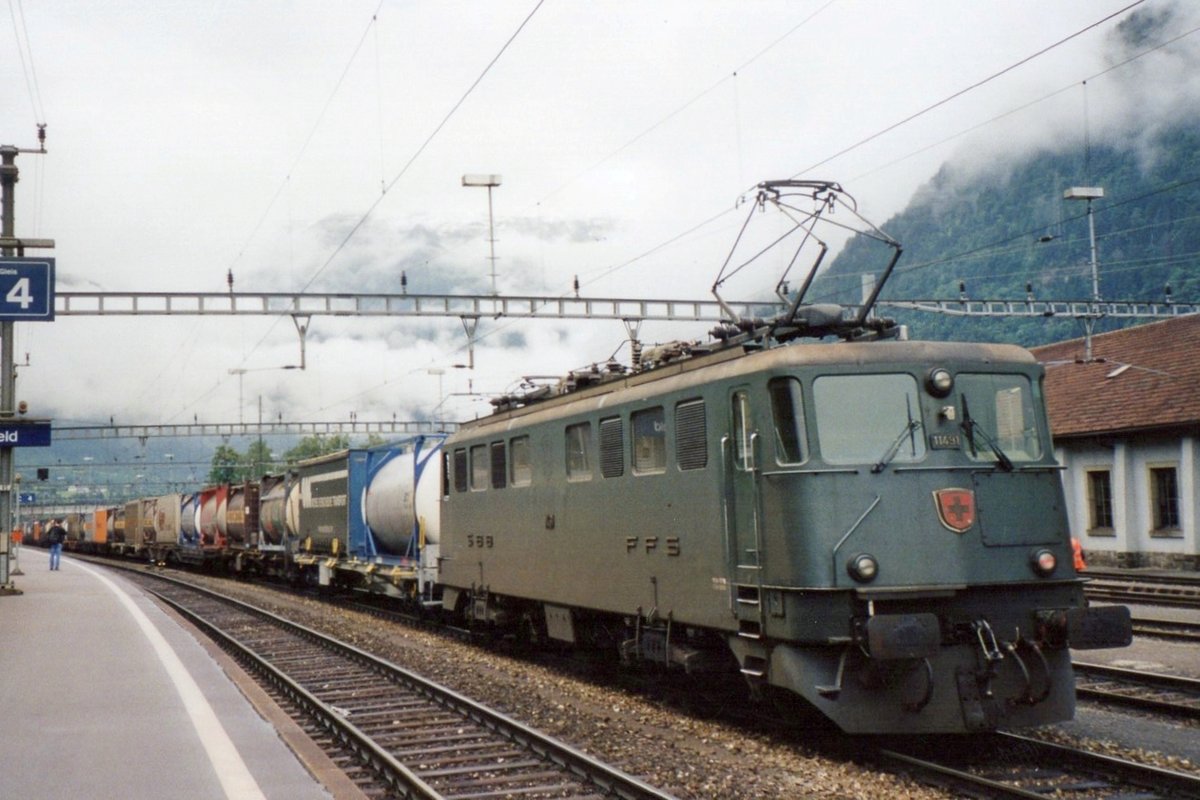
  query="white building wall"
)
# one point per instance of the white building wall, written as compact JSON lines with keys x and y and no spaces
{"x":1129,"y":463}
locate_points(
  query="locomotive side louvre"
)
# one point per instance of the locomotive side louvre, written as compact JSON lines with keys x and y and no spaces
{"x":892,"y":548}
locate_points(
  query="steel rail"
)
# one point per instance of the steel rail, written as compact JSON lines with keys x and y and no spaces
{"x":609,"y":781}
{"x":1149,"y":681}
{"x":1069,"y":766}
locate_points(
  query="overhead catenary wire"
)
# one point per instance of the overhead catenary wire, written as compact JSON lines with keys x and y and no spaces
{"x":967,"y":89}
{"x":25,"y":53}
{"x":888,"y":129}
{"x":354,"y":229}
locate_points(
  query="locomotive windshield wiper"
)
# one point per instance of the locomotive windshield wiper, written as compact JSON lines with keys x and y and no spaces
{"x":971,"y":427}
{"x":907,"y":432}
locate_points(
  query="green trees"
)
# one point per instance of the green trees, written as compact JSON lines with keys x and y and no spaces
{"x":1005,"y":227}
{"x":230,"y":466}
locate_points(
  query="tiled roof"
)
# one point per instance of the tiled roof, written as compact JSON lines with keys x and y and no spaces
{"x":1139,"y":378}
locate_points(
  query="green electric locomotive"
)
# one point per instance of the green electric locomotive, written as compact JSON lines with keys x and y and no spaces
{"x":874,"y":525}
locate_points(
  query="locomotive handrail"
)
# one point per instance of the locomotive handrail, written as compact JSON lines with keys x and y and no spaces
{"x":846,"y":535}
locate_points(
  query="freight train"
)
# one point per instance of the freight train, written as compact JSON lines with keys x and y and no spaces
{"x":877,"y":527}
{"x":873,"y":525}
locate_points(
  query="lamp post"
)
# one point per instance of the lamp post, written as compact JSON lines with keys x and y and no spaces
{"x":490,"y":181}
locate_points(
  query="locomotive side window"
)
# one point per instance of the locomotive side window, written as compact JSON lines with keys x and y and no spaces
{"x":499,"y":466}
{"x":612,"y":448}
{"x":460,"y":470}
{"x":691,"y":435}
{"x":480,"y":467}
{"x":787,"y":411}
{"x":520,"y":465}
{"x":743,"y":453}
{"x":649,"y":441}
{"x":579,"y":445}
{"x":1003,"y":407}
{"x":860,"y":418}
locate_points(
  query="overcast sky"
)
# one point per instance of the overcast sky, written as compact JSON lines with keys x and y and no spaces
{"x":187,"y":139}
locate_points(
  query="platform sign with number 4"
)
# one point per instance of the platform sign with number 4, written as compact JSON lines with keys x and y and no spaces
{"x":26,"y":289}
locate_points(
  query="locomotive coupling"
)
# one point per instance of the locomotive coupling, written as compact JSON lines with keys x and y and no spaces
{"x":1091,"y":628}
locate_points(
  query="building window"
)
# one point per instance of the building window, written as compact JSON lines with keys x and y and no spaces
{"x":499,"y":473}
{"x":1100,"y":504}
{"x":521,"y":465}
{"x":1164,"y":499}
{"x":612,"y":448}
{"x":691,"y":435}
{"x":481,"y":468}
{"x":649,"y":440}
{"x":579,"y":445}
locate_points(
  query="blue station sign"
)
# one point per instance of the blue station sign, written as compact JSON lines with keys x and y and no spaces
{"x":24,"y":434}
{"x":26,"y":498}
{"x":26,"y":289}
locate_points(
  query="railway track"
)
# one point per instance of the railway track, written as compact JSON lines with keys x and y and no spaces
{"x":1013,"y":772}
{"x":396,"y":734}
{"x":1121,"y":586}
{"x":1005,"y":765}
{"x":1167,"y":629}
{"x":1169,"y":694}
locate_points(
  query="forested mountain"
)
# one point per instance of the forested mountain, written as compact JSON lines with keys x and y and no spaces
{"x":999,"y":228}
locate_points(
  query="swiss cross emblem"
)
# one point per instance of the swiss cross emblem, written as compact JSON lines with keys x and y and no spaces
{"x":955,"y":508}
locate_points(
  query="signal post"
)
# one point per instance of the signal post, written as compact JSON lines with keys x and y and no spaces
{"x":26,"y":293}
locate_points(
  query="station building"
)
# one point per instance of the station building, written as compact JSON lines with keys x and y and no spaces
{"x":1126,"y":425}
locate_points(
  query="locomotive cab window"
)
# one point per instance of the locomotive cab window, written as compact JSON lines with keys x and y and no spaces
{"x":520,"y":463}
{"x":787,"y":412}
{"x":579,"y":445}
{"x":481,"y":468}
{"x":649,"y":441}
{"x":861,"y":418}
{"x":1001,"y":409}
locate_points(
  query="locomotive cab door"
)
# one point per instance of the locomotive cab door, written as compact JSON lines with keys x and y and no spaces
{"x":742,"y":514}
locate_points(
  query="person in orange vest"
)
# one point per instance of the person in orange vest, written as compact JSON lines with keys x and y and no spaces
{"x":1077,"y":551}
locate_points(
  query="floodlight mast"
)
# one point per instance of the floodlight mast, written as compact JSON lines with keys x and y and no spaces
{"x":490,"y":181}
{"x":1089,"y":193}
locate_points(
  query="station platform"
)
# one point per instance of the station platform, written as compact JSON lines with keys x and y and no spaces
{"x":104,"y":694}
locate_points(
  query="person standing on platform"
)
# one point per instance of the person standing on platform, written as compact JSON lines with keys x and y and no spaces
{"x":56,"y":536}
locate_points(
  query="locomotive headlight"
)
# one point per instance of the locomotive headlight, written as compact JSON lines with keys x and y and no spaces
{"x":939,"y":382}
{"x":863,"y":568}
{"x":1043,"y":561}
